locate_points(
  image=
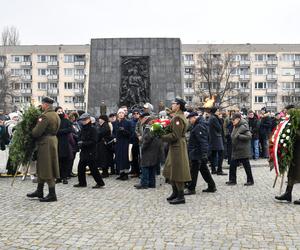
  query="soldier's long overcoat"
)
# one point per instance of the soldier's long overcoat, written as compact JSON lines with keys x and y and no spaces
{"x":47,"y":156}
{"x":177,"y":163}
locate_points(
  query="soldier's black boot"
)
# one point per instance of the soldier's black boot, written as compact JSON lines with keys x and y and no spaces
{"x":38,"y":193}
{"x":179,"y":199}
{"x":51,"y":196}
{"x":174,"y":193}
{"x":287,"y":196}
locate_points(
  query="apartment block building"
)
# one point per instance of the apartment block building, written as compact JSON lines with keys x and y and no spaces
{"x":266,"y":75}
{"x":58,"y":71}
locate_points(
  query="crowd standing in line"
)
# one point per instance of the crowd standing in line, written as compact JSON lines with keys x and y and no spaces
{"x":122,"y":144}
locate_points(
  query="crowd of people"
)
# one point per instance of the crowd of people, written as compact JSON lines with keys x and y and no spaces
{"x":122,"y":144}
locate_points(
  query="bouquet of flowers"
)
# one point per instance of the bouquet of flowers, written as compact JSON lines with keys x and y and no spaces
{"x":159,"y":126}
{"x":282,"y":142}
{"x":23,"y":145}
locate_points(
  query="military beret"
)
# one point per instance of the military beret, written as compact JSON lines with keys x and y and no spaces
{"x":47,"y":100}
{"x":180,"y":101}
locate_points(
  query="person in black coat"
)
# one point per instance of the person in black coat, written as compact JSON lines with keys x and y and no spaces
{"x":87,"y":143}
{"x":64,"y":147}
{"x":198,"y":154}
{"x":264,"y":132}
{"x":104,"y":151}
{"x":216,"y":142}
{"x":122,"y":132}
{"x":254,"y":124}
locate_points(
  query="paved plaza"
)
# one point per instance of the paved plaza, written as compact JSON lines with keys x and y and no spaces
{"x":120,"y":217}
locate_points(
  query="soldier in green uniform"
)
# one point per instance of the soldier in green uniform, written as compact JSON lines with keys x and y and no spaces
{"x":176,"y":168}
{"x":47,"y":153}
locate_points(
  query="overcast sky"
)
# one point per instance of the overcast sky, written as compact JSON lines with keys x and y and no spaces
{"x":194,"y":21}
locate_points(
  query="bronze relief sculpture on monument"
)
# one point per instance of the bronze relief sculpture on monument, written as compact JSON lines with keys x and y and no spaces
{"x":135,"y":80}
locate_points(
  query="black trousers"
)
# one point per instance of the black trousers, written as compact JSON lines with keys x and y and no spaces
{"x":135,"y":164}
{"x":83,"y":163}
{"x":234,"y":164}
{"x":195,"y":166}
{"x":216,"y":160}
{"x":64,"y":165}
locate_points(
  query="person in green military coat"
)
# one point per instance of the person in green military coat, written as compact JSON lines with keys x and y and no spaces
{"x":47,"y":153}
{"x":176,"y":169}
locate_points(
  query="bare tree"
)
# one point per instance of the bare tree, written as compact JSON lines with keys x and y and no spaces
{"x":215,"y":75}
{"x":10,"y":36}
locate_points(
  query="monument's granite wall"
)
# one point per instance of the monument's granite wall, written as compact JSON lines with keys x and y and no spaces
{"x":105,"y":69}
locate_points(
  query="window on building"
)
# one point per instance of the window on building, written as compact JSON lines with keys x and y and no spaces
{"x":42,"y":58}
{"x":16,"y":86}
{"x":79,"y":72}
{"x":271,"y":98}
{"x":244,"y":71}
{"x":244,"y":85}
{"x":287,"y":85}
{"x":42,"y":72}
{"x":234,"y":85}
{"x":79,"y":58}
{"x":288,"y":71}
{"x":69,"y":85}
{"x":203,"y":85}
{"x":26,"y":58}
{"x":272,"y":85}
{"x":297,"y":85}
{"x":188,"y":85}
{"x":68,"y":58}
{"x":69,"y":72}
{"x":68,"y":99}
{"x":42,"y":85}
{"x":25,"y":85}
{"x":272,"y":57}
{"x":260,"y":57}
{"x":16,"y":59}
{"x":259,"y":99}
{"x":52,"y":85}
{"x":260,"y":85}
{"x":16,"y":72}
{"x":235,"y":71}
{"x":188,"y":57}
{"x":244,"y":57}
{"x":188,"y":70}
{"x":78,"y":85}
{"x":271,"y":71}
{"x":297,"y":57}
{"x":260,"y":71}
{"x":188,"y":98}
{"x":53,"y":72}
{"x":288,"y":57}
{"x":16,"y":99}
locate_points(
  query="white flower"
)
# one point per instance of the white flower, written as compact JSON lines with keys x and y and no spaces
{"x":288,"y":131}
{"x":284,"y":144}
{"x":289,"y":124}
{"x":283,"y":136}
{"x":281,"y":141}
{"x":287,"y":138}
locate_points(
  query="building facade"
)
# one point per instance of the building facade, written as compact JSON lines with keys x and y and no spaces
{"x":266,"y":75}
{"x":58,"y":71}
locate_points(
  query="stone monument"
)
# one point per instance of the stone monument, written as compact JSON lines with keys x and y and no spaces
{"x":133,"y":71}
